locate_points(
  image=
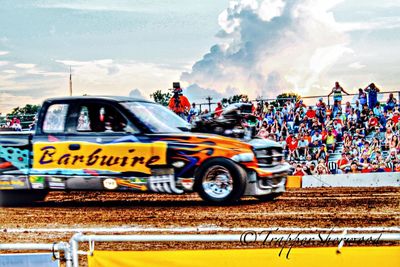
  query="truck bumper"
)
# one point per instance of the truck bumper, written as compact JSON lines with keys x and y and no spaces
{"x":267,"y":181}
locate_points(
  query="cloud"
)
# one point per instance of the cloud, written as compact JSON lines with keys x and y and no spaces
{"x":96,"y":6}
{"x":6,"y":106}
{"x":95,"y":77}
{"x":272,"y":45}
{"x":25,"y":66}
{"x":197,"y":94}
{"x":135,"y":93}
{"x":4,"y":40}
{"x":105,"y":75}
{"x":9,"y":71}
{"x":2,"y":53}
{"x":3,"y":63}
{"x":373,"y":24}
{"x":356,"y":66}
{"x":29,"y":84}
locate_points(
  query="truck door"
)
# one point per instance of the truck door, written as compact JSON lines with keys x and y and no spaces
{"x":104,"y":149}
{"x":100,"y":149}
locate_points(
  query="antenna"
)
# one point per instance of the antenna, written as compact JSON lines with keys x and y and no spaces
{"x":70,"y":81}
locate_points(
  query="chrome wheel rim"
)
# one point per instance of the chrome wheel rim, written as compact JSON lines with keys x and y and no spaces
{"x":217,"y":182}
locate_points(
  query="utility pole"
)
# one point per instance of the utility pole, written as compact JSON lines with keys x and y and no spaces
{"x":70,"y":81}
{"x":209,"y":98}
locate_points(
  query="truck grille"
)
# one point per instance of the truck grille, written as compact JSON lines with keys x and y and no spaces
{"x":269,"y":157}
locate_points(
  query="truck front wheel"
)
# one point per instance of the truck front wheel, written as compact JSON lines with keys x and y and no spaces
{"x":220,"y":181}
{"x":21,"y":197}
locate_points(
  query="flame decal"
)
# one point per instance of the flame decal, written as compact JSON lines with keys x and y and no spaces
{"x":197,"y":149}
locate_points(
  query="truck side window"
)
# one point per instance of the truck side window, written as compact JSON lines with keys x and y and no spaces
{"x":54,"y":121}
{"x":100,"y":118}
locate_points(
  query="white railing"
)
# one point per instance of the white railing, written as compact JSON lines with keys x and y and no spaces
{"x":71,"y":250}
{"x":60,"y":246}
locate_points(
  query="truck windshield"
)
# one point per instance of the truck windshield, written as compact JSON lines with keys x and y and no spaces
{"x":157,"y":118}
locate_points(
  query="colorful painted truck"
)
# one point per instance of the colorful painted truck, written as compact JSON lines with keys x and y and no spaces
{"x":125,"y":144}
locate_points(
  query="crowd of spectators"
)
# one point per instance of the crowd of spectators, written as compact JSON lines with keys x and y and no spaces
{"x":344,"y":137}
{"x":14,"y":124}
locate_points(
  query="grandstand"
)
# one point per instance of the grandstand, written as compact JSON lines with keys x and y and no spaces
{"x":340,"y":138}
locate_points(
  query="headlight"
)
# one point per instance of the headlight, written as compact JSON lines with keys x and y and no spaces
{"x":178,"y":164}
{"x":244,"y":157}
{"x":261,"y":153}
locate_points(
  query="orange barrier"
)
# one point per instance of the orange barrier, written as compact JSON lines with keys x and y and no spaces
{"x":293,"y":182}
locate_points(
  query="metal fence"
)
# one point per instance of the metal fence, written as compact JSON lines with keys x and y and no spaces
{"x":25,"y":119}
{"x":308,"y":100}
{"x":71,"y":250}
{"x":63,"y":247}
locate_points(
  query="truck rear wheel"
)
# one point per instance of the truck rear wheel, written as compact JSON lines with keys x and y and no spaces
{"x":21,"y":197}
{"x":220,"y":181}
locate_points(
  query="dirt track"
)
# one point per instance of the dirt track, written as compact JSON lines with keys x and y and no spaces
{"x":297,"y":208}
{"x":329,"y":207}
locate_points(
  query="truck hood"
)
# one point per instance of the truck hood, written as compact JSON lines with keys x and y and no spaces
{"x":204,"y":140}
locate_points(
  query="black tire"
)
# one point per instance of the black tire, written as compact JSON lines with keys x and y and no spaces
{"x":269,"y":197}
{"x":225,"y":167}
{"x":21,"y":197}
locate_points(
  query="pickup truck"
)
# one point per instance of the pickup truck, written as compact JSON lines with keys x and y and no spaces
{"x":124,"y":144}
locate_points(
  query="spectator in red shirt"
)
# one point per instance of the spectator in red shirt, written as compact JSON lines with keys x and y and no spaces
{"x":292,"y":146}
{"x":310,"y":113}
{"x":395,"y":117}
{"x":299,"y":171}
{"x":15,"y":120}
{"x":372,"y":122}
{"x":397,"y":167}
{"x":324,"y":133}
{"x":343,"y":161}
{"x":218,"y":110}
{"x":289,"y":138}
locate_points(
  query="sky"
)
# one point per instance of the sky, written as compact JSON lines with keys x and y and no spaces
{"x":217,"y":48}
